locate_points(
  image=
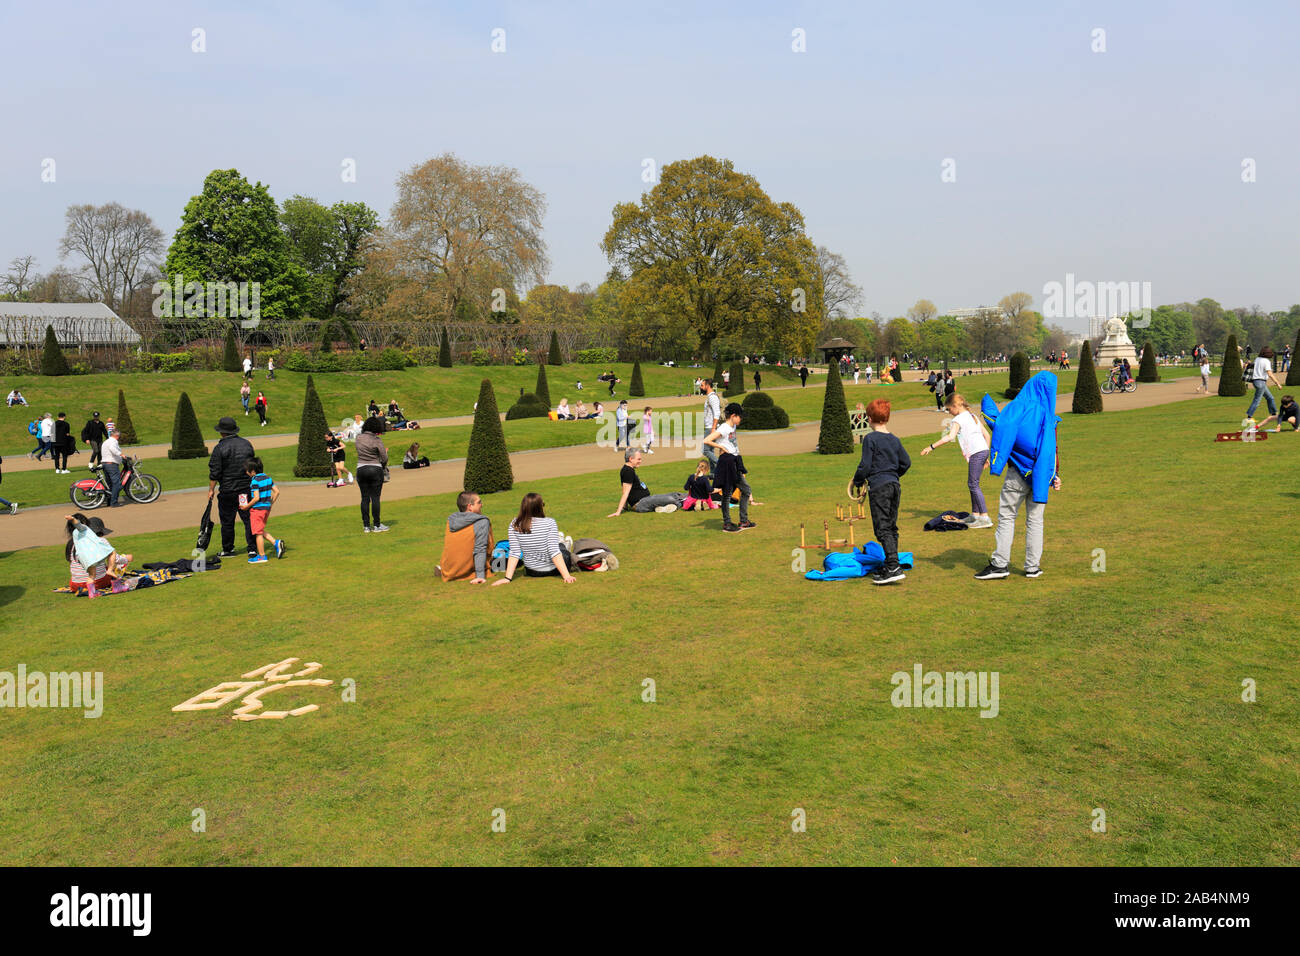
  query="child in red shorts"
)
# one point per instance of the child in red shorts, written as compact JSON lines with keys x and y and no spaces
{"x":262,"y":494}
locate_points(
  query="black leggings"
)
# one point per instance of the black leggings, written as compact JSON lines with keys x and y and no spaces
{"x":261,"y":412}
{"x":370,"y":479}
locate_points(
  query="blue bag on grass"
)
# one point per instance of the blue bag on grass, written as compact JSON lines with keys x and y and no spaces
{"x":842,"y":566}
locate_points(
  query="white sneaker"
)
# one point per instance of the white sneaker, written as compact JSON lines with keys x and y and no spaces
{"x":379,"y":527}
{"x":13,"y":508}
{"x":985,"y":522}
{"x":666,"y":509}
{"x":350,"y":478}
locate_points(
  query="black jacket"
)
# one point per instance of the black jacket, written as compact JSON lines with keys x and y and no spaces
{"x":94,"y":431}
{"x":226,"y":466}
{"x":63,"y":434}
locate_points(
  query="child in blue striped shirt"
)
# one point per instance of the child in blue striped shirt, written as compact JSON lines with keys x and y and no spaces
{"x":263,"y":493}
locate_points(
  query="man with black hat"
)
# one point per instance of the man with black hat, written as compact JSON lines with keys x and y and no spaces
{"x":227,"y":480}
{"x":93,"y":434}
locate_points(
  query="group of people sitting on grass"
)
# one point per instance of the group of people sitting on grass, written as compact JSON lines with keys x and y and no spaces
{"x":392,"y":414}
{"x":563,"y":413}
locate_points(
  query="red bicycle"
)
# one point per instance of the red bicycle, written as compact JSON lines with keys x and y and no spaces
{"x":91,"y":493}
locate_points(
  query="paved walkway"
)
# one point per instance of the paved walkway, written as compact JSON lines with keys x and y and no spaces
{"x":38,"y":527}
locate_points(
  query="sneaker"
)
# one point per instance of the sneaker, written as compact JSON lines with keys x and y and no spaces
{"x":666,"y":509}
{"x":258,"y":559}
{"x":746,"y":525}
{"x":227,"y":554}
{"x":992,"y":572}
{"x":379,"y":527}
{"x":731,"y":528}
{"x":279,"y":548}
{"x":366,"y":528}
{"x":888,"y":576}
{"x":1034,"y":573}
{"x":13,"y":508}
{"x":985,"y":522}
{"x":350,"y":478}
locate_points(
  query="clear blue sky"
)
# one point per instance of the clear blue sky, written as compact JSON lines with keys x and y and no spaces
{"x":1116,"y":166}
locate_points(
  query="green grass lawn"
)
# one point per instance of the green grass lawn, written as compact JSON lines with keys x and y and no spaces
{"x":1119,"y":690}
{"x":422,"y":393}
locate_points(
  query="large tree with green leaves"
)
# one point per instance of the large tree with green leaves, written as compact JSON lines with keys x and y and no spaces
{"x":230,"y":233}
{"x":707,"y":243}
{"x":328,"y":242}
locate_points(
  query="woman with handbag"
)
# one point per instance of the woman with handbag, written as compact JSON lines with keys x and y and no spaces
{"x":372,"y":468}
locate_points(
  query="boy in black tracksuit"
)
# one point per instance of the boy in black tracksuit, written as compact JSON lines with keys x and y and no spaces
{"x":884,"y":462}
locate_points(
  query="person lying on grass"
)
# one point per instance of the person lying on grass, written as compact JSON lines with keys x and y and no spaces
{"x":535,"y":540}
{"x":636,"y":496}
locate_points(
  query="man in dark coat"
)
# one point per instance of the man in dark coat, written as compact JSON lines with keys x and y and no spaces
{"x":227,"y":480}
{"x":803,"y":376}
{"x":62,"y":444}
{"x":94,"y":434}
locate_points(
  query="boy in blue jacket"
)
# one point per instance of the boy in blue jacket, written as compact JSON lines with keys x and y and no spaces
{"x":884,"y":462}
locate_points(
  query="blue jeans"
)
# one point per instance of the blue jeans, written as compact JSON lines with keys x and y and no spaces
{"x":1261,"y":391}
{"x":42,"y":446}
{"x":113,"y":477}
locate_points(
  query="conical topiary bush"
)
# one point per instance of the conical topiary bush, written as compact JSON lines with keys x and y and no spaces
{"x":1019,"y":374}
{"x":1231,"y":384}
{"x":314,"y":459}
{"x":637,"y":387}
{"x":736,"y":386}
{"x":230,"y":361}
{"x":444,"y":350}
{"x":1087,"y":392}
{"x":187,"y":439}
{"x":52,"y":360}
{"x":717,"y":373}
{"x":553,"y":357}
{"x":1293,"y":373}
{"x":836,"y":435}
{"x":1147,"y":371}
{"x":487,"y":463}
{"x":543,"y":390}
{"x":123,"y":426}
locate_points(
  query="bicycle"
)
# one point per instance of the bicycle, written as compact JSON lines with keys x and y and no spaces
{"x":1114,"y":383}
{"x":92,"y":493}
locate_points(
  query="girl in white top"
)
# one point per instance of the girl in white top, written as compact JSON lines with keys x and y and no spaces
{"x":562,"y":411}
{"x":973,"y":439}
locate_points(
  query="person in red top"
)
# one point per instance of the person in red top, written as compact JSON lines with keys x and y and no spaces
{"x":260,"y":406}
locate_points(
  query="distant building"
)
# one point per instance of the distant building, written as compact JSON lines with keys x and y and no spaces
{"x":968,"y":313}
{"x":76,"y":324}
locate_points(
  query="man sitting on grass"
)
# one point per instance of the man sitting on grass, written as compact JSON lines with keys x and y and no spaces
{"x":636,"y":496}
{"x":467,"y":541}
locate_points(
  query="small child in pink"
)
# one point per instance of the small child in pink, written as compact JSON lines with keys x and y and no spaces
{"x":648,"y":432}
{"x":699,"y":493}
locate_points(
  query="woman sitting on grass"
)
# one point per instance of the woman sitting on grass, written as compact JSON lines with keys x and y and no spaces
{"x":93,"y":563}
{"x":535,"y":540}
{"x":413,"y":458}
{"x":562,"y":410}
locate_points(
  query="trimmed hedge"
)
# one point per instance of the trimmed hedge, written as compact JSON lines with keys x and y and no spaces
{"x":230,"y":361}
{"x":444,"y":350}
{"x":528,"y":406}
{"x":1231,"y":383}
{"x":1019,"y":374}
{"x":187,"y":439}
{"x":737,"y":384}
{"x":387,"y":360}
{"x":554,"y":357}
{"x":487,"y":463}
{"x":637,"y":388}
{"x":1087,"y":391}
{"x":541,"y":394}
{"x":123,"y":425}
{"x":836,"y":435}
{"x":314,"y":459}
{"x":761,"y":414}
{"x":596,"y":356}
{"x":52,"y":360}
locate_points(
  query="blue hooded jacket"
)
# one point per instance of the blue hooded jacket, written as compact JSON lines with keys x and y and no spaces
{"x":1024,"y":433}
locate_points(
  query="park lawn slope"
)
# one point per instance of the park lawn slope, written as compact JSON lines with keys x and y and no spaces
{"x":1119,"y":690}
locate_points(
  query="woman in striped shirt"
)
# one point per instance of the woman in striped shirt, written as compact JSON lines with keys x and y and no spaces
{"x":535,"y":539}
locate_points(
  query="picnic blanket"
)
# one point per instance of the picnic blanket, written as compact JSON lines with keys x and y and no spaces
{"x":132,"y":581}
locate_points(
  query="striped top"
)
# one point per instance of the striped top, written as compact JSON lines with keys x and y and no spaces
{"x":538,"y":547}
{"x":262,"y":484}
{"x":77,"y":574}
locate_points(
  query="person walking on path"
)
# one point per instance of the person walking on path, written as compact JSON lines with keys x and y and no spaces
{"x":758,"y":380}
{"x":803,"y":376}
{"x":972,"y":438}
{"x":270,"y":369}
{"x":248,"y":366}
{"x":1205,"y":374}
{"x":11,"y":506}
{"x":44,"y":436}
{"x":621,"y":437}
{"x":372,"y":463}
{"x":227,"y":482}
{"x":1261,"y":373}
{"x":94,"y":433}
{"x":712,"y":416}
{"x":62,"y":441}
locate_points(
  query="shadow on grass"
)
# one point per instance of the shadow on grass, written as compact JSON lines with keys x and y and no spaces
{"x":961,"y":558}
{"x":10,"y":593}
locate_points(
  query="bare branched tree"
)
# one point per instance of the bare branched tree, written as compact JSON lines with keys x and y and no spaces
{"x":19,"y":278}
{"x":839,"y":295}
{"x":116,"y":245}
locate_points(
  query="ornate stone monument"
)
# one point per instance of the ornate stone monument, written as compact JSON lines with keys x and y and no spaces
{"x":1117,"y":345}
